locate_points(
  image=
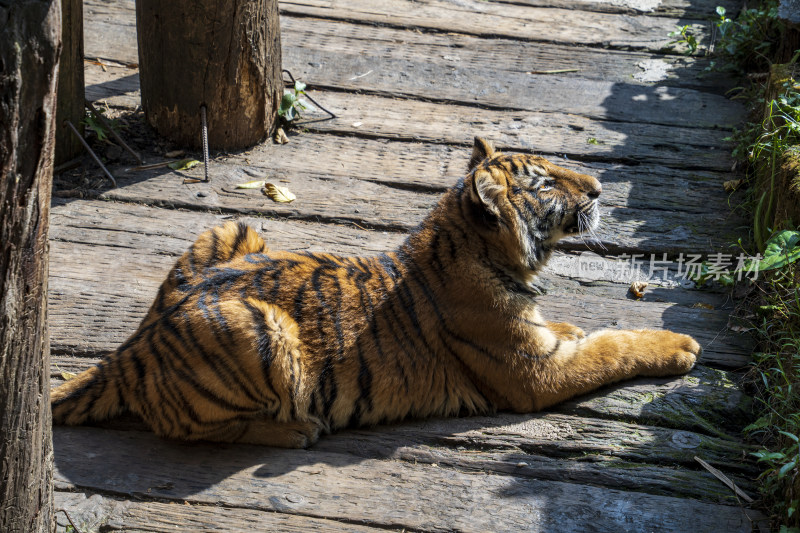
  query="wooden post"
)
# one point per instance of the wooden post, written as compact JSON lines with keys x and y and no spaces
{"x":71,"y":94}
{"x":29,"y":49}
{"x":223,"y":54}
{"x":789,"y":44}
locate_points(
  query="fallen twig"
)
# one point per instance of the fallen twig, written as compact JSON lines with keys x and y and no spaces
{"x":725,"y":480}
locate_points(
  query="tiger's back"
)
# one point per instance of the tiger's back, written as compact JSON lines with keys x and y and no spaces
{"x":251,"y":345}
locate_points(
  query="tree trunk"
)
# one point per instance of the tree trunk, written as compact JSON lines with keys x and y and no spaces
{"x":224,"y":54}
{"x":71,"y":93}
{"x":30,"y":40}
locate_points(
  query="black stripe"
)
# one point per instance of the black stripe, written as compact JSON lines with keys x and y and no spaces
{"x":241,"y":234}
{"x":264,"y":347}
{"x":221,"y":366}
{"x":203,"y":390}
{"x":327,"y":381}
{"x":420,"y":280}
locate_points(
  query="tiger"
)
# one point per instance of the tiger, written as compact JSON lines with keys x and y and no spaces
{"x":250,"y":345}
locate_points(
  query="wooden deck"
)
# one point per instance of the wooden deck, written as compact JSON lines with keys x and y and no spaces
{"x":584,"y":82}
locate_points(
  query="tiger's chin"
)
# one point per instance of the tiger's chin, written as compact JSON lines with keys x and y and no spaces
{"x":582,"y":222}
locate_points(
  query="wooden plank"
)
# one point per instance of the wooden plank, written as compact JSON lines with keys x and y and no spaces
{"x":347,"y":200}
{"x":486,"y":19}
{"x":548,"y":446}
{"x":137,"y":242}
{"x":469,"y":17}
{"x":432,"y":66}
{"x":557,"y":133}
{"x":445,"y":68}
{"x":112,"y":35}
{"x":707,"y":401}
{"x":375,"y":492}
{"x":434,"y":168}
{"x":550,"y":133}
{"x":96,"y":512}
{"x":673,"y":8}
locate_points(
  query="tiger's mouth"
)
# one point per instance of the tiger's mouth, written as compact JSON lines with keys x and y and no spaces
{"x":585,"y":220}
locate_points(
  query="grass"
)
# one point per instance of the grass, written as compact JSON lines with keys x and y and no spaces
{"x":749,"y":43}
{"x":777,"y":430}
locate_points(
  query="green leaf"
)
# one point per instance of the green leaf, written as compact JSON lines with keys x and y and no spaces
{"x":287,"y":104}
{"x":780,"y":250}
{"x":785,"y":468}
{"x":768,"y":456}
{"x":761,"y":423}
{"x":184,"y":164}
{"x":793,"y":437}
{"x":299,"y":86}
{"x":721,"y":11}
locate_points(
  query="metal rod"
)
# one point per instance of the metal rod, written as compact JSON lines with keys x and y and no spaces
{"x":69,"y":518}
{"x":99,"y":116}
{"x":205,"y":140}
{"x":91,"y":152}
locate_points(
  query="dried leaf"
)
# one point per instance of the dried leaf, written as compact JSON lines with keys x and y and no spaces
{"x":257,"y":184}
{"x":280,"y":136}
{"x":68,"y":375}
{"x":731,"y":185}
{"x":278,"y":194}
{"x":739,"y":329}
{"x":175,"y":153}
{"x":184,"y":164}
{"x":637,"y":288}
{"x":701,"y":305}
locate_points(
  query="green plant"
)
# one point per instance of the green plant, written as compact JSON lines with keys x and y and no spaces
{"x":748,"y":42}
{"x":765,"y":143}
{"x":292,"y":103}
{"x":778,"y":370}
{"x":100,"y":129}
{"x":683,"y":35}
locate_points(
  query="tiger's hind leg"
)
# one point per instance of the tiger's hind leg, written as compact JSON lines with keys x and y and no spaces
{"x":238,"y":369}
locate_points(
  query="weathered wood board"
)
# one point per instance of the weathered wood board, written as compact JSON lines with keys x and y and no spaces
{"x":386,"y":493}
{"x":587,"y":83}
{"x":684,"y":8}
{"x":442,"y":68}
{"x":488,"y":19}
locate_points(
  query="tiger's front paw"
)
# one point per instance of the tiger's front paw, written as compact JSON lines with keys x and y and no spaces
{"x":669,"y":353}
{"x":566,"y":331}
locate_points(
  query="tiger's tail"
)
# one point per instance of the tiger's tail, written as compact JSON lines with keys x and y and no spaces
{"x":91,"y":395}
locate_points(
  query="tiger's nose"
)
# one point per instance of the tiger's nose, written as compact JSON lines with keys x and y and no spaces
{"x":595,"y":191}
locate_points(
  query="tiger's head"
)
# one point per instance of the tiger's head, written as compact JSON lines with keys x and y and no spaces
{"x":526,"y":204}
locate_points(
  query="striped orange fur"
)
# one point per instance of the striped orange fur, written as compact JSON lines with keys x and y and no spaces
{"x":245,"y":344}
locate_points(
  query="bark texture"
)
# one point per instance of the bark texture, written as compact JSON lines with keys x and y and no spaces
{"x":224,"y":54}
{"x":70,"y":81}
{"x":30,"y":40}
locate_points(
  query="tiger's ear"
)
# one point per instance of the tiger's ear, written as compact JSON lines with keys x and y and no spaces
{"x":480,"y":151}
{"x":487,"y":191}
